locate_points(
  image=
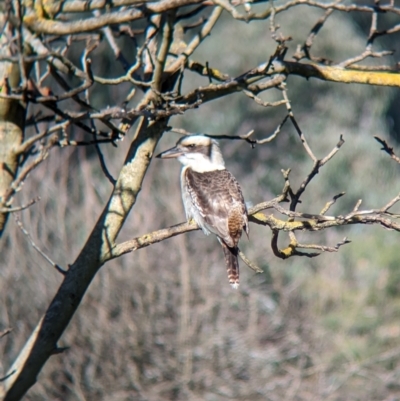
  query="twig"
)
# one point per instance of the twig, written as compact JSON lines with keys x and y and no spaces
{"x":391,"y":68}
{"x":249,"y":263}
{"x":330,"y":203}
{"x":55,"y":265}
{"x":103,"y":165}
{"x":119,"y":56}
{"x":356,"y":207}
{"x":389,"y":31}
{"x":66,"y":142}
{"x":305,"y":49}
{"x":151,"y":238}
{"x":324,"y":248}
{"x":388,"y":149}
{"x":245,"y":137}
{"x":2,"y":379}
{"x":261,"y":102}
{"x":365,"y":54}
{"x":163,"y":51}
{"x":296,"y":126}
{"x":20,"y":44}
{"x":59,"y":350}
{"x":215,"y":91}
{"x":275,"y":133}
{"x":5,"y":332}
{"x":28,"y":143}
{"x":206,"y":71}
{"x":195,"y":24}
{"x":314,"y":171}
{"x":22,"y":175}
{"x":308,"y":216}
{"x":312,"y":223}
{"x":332,"y":152}
{"x":390,"y":204}
{"x":191,"y":13}
{"x":192,"y":46}
{"x":19,"y":208}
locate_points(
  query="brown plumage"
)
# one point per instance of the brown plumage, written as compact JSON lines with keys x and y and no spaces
{"x":218,"y":199}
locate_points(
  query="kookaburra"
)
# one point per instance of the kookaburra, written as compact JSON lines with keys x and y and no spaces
{"x":211,"y":195}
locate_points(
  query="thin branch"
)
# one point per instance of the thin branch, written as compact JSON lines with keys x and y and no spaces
{"x":336,"y":73}
{"x":296,"y":126}
{"x":364,"y":55}
{"x":163,"y":51}
{"x":23,"y":174}
{"x":55,"y":265}
{"x":67,"y":142}
{"x":312,"y":223}
{"x":246,"y":137}
{"x":195,"y":24}
{"x":293,"y":214}
{"x":389,"y":31}
{"x":249,"y":263}
{"x":57,"y":27}
{"x":119,"y":56}
{"x":19,"y":208}
{"x":392,"y":68}
{"x":324,"y":248}
{"x":330,"y":203}
{"x":151,"y":238}
{"x":332,"y":152}
{"x":206,"y":71}
{"x":192,"y":46}
{"x":4,"y":378}
{"x":322,"y":5}
{"x":388,"y":149}
{"x":305,"y":49}
{"x":314,"y":171}
{"x":390,"y":204}
{"x":59,"y":350}
{"x":5,"y":332}
{"x":27,"y":144}
{"x":276,"y":132}
{"x":261,"y":102}
{"x":79,"y":6}
{"x":191,"y":13}
{"x":103,"y":165}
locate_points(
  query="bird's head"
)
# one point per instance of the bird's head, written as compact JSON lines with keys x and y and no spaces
{"x":200,"y":153}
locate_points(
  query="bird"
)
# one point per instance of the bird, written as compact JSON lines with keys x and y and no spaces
{"x":211,"y":195}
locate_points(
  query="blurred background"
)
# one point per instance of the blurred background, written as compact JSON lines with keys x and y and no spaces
{"x":163,"y":323}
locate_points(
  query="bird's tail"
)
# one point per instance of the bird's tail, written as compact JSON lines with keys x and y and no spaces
{"x":232,"y":264}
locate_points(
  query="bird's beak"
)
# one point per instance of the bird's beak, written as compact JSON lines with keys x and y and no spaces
{"x":170,"y":153}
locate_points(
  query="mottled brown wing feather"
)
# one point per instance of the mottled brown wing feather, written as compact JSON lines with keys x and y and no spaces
{"x":235,"y":225}
{"x":218,"y":198}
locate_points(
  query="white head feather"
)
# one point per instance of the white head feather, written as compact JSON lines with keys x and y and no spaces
{"x":200,"y":153}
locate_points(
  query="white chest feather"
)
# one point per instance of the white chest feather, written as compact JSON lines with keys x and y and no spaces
{"x":191,"y":210}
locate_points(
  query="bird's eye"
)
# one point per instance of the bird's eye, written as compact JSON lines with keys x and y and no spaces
{"x":191,"y":145}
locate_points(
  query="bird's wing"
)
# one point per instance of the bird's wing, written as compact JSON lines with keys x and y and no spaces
{"x":218,"y":198}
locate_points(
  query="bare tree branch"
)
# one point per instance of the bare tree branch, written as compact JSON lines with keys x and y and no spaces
{"x":337,"y":74}
{"x":388,"y":149}
{"x":94,"y":254}
{"x":5,"y":332}
{"x":52,"y":27}
{"x":26,"y":233}
{"x":45,"y":36}
{"x":19,"y":208}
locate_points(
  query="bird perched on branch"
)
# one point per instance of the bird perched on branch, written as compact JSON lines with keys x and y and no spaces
{"x":211,"y":195}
